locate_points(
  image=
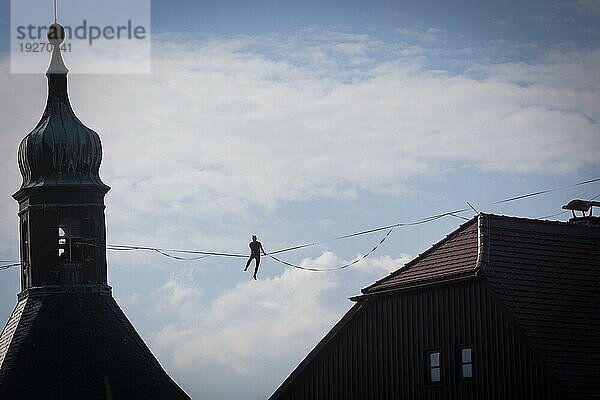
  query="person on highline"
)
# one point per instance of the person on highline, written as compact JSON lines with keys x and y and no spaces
{"x":255,"y":250}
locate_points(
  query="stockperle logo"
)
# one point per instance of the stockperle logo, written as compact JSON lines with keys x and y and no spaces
{"x":99,"y":37}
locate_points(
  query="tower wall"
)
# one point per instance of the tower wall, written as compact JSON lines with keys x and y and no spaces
{"x":63,"y":237}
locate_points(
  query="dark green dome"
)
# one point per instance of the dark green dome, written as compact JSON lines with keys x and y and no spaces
{"x":61,"y":150}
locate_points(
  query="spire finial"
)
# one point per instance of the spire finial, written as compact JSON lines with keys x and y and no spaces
{"x":56,"y":35}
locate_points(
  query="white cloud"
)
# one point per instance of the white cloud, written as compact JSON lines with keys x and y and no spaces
{"x":258,"y":331}
{"x":383,"y":264}
{"x":179,"y":295}
{"x":220,"y":128}
{"x":253,"y":333}
{"x":223,"y":132}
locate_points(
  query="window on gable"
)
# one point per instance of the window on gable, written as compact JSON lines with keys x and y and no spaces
{"x":466,"y":362}
{"x":434,"y":372}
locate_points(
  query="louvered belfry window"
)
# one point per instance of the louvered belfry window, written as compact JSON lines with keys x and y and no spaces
{"x":69,"y":241}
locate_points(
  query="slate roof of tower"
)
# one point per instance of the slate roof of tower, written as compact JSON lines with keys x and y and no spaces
{"x":546,"y":275}
{"x":77,"y":346}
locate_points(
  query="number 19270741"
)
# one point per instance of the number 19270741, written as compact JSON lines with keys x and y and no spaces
{"x":40,"y":47}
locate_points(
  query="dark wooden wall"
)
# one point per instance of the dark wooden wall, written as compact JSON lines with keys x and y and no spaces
{"x":380,"y":352}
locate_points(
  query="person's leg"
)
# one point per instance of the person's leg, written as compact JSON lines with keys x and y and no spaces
{"x":248,"y":263}
{"x":256,"y":268}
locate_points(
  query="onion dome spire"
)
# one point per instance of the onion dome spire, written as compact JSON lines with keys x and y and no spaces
{"x":60,"y":151}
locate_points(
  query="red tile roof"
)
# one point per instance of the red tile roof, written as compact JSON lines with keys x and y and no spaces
{"x":455,"y":255}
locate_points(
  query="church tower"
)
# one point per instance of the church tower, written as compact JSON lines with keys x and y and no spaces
{"x":61,"y":200}
{"x":67,"y":338}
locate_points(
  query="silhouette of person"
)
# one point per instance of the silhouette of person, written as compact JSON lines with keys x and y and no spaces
{"x":255,"y":250}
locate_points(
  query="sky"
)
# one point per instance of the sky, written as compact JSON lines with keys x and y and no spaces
{"x":300,"y":122}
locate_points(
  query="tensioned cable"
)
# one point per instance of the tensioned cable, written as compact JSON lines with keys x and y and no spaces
{"x":524,"y":196}
{"x":391,"y":227}
{"x":164,"y":253}
{"x":204,"y":254}
{"x":434,"y":217}
{"x":2,"y":267}
{"x":119,"y":247}
{"x":359,"y":259}
{"x":271,"y":254}
{"x":368,"y":231}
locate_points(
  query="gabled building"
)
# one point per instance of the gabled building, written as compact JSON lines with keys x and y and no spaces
{"x":502,"y":308}
{"x":67,"y":338}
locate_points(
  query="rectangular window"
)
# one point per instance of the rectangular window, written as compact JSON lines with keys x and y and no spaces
{"x":434,"y":372}
{"x":69,"y":241}
{"x":466,"y":362}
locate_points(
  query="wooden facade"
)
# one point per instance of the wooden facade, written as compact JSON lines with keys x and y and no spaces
{"x":380,"y":347}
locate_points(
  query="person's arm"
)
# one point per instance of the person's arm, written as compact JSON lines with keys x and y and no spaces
{"x":263,"y":250}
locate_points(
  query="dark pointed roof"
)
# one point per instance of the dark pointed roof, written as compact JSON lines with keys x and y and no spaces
{"x":61,"y":150}
{"x":69,"y":345}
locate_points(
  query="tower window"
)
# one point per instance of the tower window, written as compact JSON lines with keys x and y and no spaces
{"x":25,"y":242}
{"x":466,"y":362}
{"x":25,"y":255}
{"x":434,"y":373}
{"x":69,"y":240}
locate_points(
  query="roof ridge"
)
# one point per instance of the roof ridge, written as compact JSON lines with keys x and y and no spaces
{"x":536,"y":220}
{"x":483,"y":242}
